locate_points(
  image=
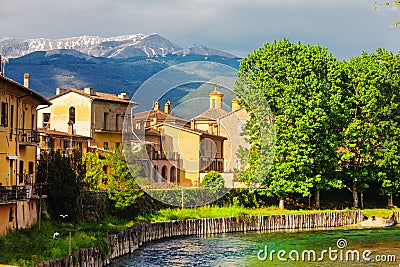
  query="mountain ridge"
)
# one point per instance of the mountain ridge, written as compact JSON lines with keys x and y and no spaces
{"x":123,"y":46}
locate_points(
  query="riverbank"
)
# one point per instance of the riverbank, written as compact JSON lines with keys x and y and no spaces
{"x":127,"y":241}
{"x":30,"y":247}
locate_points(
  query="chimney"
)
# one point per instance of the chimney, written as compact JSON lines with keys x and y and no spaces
{"x":167,"y":107}
{"x":192,"y":124}
{"x":157,"y":106}
{"x":26,"y":80}
{"x":124,"y":96}
{"x":60,"y":90}
{"x":89,"y":91}
{"x":235,"y":104}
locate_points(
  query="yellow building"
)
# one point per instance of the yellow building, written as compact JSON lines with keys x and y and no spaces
{"x":18,"y":152}
{"x":183,"y":155}
{"x":156,"y":116}
{"x":87,"y":113}
{"x":230,"y":124}
{"x":62,"y":142}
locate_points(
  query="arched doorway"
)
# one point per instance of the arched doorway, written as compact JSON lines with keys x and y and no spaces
{"x":164,"y":172}
{"x":172,"y":175}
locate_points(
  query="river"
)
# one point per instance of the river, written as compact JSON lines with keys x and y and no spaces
{"x":322,"y":247}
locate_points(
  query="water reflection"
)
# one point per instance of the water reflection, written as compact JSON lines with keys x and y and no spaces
{"x":242,"y":249}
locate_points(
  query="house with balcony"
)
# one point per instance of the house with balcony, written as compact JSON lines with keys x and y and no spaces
{"x":178,"y":153}
{"x":86,"y":113}
{"x":65,"y":143}
{"x":18,"y":153}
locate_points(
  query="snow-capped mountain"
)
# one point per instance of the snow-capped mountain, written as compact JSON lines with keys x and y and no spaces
{"x":110,"y":47}
{"x":202,"y":50}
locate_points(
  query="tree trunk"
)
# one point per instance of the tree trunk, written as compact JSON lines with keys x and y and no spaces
{"x":281,"y":203}
{"x":355,"y":195}
{"x":362,"y":199}
{"x":317,"y":203}
{"x":390,"y":201}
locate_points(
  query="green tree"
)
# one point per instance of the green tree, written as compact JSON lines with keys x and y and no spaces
{"x":64,"y":184}
{"x":122,"y":187}
{"x":385,"y":75}
{"x":299,"y":82}
{"x":94,"y":171}
{"x":213,"y":181}
{"x":370,"y":136}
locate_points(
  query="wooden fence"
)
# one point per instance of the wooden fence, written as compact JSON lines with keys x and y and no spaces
{"x":127,"y":241}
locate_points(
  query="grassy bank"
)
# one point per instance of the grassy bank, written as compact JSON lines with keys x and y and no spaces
{"x":28,"y":247}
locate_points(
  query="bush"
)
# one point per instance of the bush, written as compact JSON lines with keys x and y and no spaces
{"x":213,"y":181}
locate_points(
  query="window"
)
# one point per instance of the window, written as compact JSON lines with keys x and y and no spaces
{"x":21,"y":171}
{"x":105,"y":146}
{"x":46,"y":120}
{"x":10,"y":216}
{"x":23,"y":119}
{"x":30,"y":167}
{"x":4,"y":114}
{"x":105,"y":118}
{"x":66,"y":144}
{"x":33,"y":121}
{"x":117,"y":145}
{"x":117,"y":119}
{"x":71,"y":115}
{"x":11,"y":121}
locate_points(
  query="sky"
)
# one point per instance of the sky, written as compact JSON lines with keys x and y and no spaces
{"x":345,"y":27}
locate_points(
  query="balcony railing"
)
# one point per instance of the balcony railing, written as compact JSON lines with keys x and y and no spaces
{"x":14,"y":193}
{"x":207,"y":165}
{"x":109,"y":127}
{"x":28,"y":137}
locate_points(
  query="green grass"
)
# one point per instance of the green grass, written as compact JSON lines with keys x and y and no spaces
{"x":384,"y":213}
{"x":214,"y":212}
{"x":29,"y":246}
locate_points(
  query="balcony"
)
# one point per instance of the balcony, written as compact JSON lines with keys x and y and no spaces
{"x":11,"y":194}
{"x":207,"y":165}
{"x":28,"y":137}
{"x":109,"y":128}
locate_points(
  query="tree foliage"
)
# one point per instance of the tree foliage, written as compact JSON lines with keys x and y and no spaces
{"x":296,"y":81}
{"x":95,"y":173}
{"x":213,"y":181}
{"x":122,"y":187}
{"x":64,"y":178}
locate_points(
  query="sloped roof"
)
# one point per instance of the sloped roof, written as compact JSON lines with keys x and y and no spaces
{"x":26,"y":91}
{"x":61,"y":134}
{"x":98,"y":96}
{"x":160,"y":115}
{"x":187,"y":129}
{"x":212,"y":114}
